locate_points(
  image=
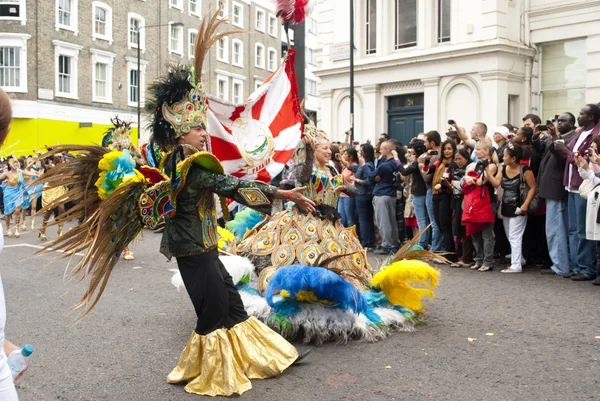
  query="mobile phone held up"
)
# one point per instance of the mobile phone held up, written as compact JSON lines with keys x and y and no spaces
{"x":451,"y":122}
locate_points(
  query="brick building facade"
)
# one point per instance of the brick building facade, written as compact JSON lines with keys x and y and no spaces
{"x":71,"y":65}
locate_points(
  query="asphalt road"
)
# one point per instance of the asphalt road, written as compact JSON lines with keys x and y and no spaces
{"x":537,"y":338}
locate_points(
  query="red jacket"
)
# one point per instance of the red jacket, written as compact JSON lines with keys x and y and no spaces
{"x":478,"y":203}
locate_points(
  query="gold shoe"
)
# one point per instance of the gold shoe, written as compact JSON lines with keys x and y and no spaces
{"x":23,"y":227}
{"x":32,"y":225}
{"x":9,"y":233}
{"x":43,"y":236}
{"x":17,"y":235}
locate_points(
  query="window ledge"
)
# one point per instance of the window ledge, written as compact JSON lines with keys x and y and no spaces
{"x":66,"y":96}
{"x":240,"y":25}
{"x":67,"y":28}
{"x":238,"y":65}
{"x":176,"y":52}
{"x":134,"y":46}
{"x":102,"y":37}
{"x":131,"y":104}
{"x":102,"y":101}
{"x":14,"y":89}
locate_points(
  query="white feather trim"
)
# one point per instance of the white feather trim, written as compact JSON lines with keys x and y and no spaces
{"x":237,"y":267}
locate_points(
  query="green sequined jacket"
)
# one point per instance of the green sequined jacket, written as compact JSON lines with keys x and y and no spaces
{"x":193,"y":229}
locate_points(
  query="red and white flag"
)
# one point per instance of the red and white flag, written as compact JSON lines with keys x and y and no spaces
{"x":254,"y":140}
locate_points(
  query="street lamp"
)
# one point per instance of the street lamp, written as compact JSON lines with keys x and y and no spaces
{"x":139,"y":76}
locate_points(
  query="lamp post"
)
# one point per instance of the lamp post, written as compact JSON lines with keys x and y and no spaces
{"x":351,"y":71}
{"x":139,"y":74}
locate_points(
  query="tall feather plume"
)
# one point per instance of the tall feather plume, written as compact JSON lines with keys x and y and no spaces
{"x":207,"y":37}
{"x":104,"y":232}
{"x":293,"y":11}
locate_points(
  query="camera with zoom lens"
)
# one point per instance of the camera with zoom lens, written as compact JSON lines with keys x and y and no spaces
{"x":589,"y":152}
{"x":481,"y":166}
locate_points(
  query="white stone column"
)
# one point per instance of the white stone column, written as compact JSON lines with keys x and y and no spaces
{"x":431,"y":104}
{"x":325,"y":114}
{"x":370,"y":115}
{"x":494,"y":98}
{"x":592,"y":78}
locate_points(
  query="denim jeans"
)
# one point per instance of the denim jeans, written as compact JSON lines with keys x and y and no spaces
{"x":364,"y":209}
{"x":556,"y":235}
{"x":582,"y":251}
{"x":420,"y":205}
{"x":436,"y":234}
{"x":385,"y":218}
{"x":347,"y":209}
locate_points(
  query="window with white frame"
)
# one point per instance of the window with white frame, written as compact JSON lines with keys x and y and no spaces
{"x":223,"y":12}
{"x":222,"y":87}
{"x":102,"y":66}
{"x":135,"y":83}
{"x":66,"y":15}
{"x":444,"y":11}
{"x":311,"y":56}
{"x":311,"y":24}
{"x":102,"y":23}
{"x":176,"y":4}
{"x":136,"y":21}
{"x":176,"y":39}
{"x":237,"y":90}
{"x":260,"y":20}
{"x":192,"y":35}
{"x":13,"y":10}
{"x":371,"y":26}
{"x":564,"y":76}
{"x":257,"y":83}
{"x":272,"y":25}
{"x":237,"y":53}
{"x":272,"y":60}
{"x":237,"y":14}
{"x":223,"y":50}
{"x":405,"y":23}
{"x":66,"y":56}
{"x":13,"y":62}
{"x":311,"y":87}
{"x":195,"y":7}
{"x":259,"y":55}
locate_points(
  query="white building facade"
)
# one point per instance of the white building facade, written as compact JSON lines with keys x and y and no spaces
{"x":419,"y":63}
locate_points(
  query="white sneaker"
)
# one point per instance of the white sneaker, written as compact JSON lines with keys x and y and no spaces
{"x":512,"y":270}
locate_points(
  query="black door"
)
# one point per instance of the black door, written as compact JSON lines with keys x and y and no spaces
{"x":405,"y":117}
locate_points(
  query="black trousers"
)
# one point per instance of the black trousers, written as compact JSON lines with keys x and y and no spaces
{"x":442,"y":212}
{"x":216,"y":300}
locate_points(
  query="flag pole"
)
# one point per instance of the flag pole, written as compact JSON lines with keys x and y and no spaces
{"x":351,"y":71}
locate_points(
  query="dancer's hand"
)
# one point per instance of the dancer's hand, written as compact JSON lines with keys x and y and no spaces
{"x":302,"y":201}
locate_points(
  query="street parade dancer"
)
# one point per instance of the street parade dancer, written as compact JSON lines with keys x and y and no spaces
{"x":118,"y":137}
{"x":13,"y":191}
{"x":115,"y":200}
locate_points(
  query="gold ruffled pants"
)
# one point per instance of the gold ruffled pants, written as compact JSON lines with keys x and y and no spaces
{"x":223,"y":361}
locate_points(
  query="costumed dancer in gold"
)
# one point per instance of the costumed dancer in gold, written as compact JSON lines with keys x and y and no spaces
{"x":55,"y":196}
{"x":227,"y":348}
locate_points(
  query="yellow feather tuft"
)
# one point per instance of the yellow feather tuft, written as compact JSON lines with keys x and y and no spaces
{"x":226,"y":240}
{"x":398,"y":279}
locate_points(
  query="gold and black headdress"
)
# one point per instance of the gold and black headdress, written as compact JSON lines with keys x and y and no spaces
{"x":178,"y":102}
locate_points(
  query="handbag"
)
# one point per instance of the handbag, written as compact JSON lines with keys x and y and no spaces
{"x":586,"y":187}
{"x":524,"y":190}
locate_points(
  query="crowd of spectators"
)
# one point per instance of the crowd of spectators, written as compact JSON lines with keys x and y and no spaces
{"x":510,"y":195}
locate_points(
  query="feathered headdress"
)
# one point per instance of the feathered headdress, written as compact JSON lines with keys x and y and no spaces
{"x":178,"y":102}
{"x":293,"y":11}
{"x":118,"y":137}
